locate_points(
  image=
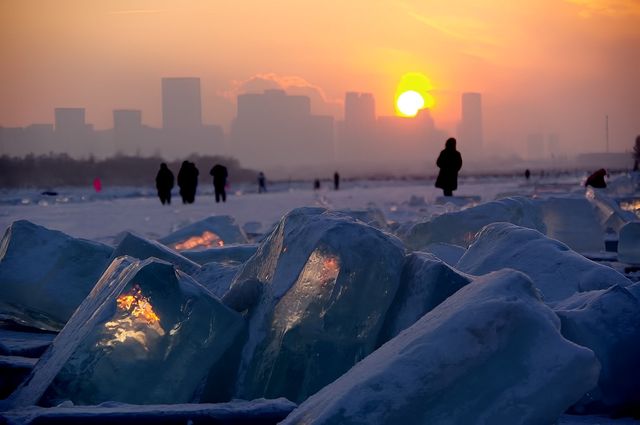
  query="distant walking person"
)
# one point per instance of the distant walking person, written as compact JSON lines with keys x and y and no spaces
{"x":316,"y":184}
{"x":262,"y":182}
{"x":527,"y":174}
{"x":450,"y":162}
{"x":336,"y":181}
{"x":597,"y":179}
{"x":164,"y":184}
{"x":187,"y":181}
{"x":219,"y":173}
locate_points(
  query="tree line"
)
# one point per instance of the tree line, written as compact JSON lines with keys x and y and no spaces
{"x":55,"y":170}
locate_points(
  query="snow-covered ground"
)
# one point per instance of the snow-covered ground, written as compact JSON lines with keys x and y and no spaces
{"x":557,"y":323}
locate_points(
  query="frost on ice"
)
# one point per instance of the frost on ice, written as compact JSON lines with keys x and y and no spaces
{"x":491,"y":353}
{"x":460,"y":227}
{"x":607,"y":322}
{"x":210,"y":232}
{"x":45,"y":274}
{"x":316,"y":294}
{"x":146,"y":334}
{"x":142,"y":248}
{"x":556,"y":270}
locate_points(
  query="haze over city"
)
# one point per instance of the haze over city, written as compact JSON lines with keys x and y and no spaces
{"x":548,"y":72}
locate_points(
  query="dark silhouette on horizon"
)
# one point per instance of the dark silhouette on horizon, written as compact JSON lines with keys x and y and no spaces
{"x":220,"y":174}
{"x":450,"y":162}
{"x":164,"y":184}
{"x":597,"y":179}
{"x":262,"y":182}
{"x":336,"y":181}
{"x":188,"y":181}
{"x":527,"y":174}
{"x":316,"y":184}
{"x":636,"y":154}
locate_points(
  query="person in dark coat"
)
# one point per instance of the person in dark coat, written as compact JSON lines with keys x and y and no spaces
{"x":192,"y":182}
{"x":184,"y":181}
{"x":220,"y":174}
{"x":597,"y":179}
{"x":336,"y":181}
{"x":164,"y":183}
{"x":262,"y":182}
{"x":450,"y":162}
{"x":316,"y":184}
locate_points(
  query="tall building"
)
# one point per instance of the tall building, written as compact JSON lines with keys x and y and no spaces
{"x":470,"y":132}
{"x":181,"y":103}
{"x":358,"y":131}
{"x":273,"y":129}
{"x":72,"y":134}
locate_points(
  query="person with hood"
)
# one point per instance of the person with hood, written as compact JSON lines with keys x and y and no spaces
{"x":183,"y":181}
{"x":450,"y":162}
{"x":164,"y":183}
{"x":597,"y":179}
{"x":220,"y":174}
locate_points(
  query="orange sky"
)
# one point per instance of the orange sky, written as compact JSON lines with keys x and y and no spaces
{"x":542,"y":65}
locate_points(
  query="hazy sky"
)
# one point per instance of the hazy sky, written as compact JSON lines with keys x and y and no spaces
{"x":542,"y":65}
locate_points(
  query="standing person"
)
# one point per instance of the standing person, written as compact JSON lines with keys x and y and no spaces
{"x":164,"y":183}
{"x":450,"y":162}
{"x":336,"y":180}
{"x":316,"y":184}
{"x":219,"y":173}
{"x":183,"y":181}
{"x":192,"y":182}
{"x":527,"y":174}
{"x":262,"y":182}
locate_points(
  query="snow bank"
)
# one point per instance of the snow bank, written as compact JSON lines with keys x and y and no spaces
{"x":460,"y":227}
{"x":629,"y":243}
{"x":492,"y":353}
{"x":426,"y":282}
{"x":142,"y":248}
{"x":607,"y":322}
{"x":145,"y":334}
{"x":556,"y":270}
{"x":216,"y":230}
{"x":256,"y":412}
{"x":45,"y":274}
{"x":316,"y":292}
{"x":234,"y":253}
{"x":573,"y":221}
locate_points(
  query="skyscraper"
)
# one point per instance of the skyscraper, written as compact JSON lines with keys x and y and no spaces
{"x":181,"y":104}
{"x":470,"y":133}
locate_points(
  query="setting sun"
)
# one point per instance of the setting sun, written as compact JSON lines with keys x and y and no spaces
{"x":410,"y":102}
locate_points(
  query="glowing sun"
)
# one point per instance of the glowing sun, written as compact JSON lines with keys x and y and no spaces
{"x":410,"y":102}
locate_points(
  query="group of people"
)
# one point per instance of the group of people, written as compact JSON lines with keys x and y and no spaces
{"x":188,"y":182}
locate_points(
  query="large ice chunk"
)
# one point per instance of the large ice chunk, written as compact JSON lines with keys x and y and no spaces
{"x":609,"y":213}
{"x":216,"y":277}
{"x":45,"y":274}
{"x":447,"y":252}
{"x":146,"y":333}
{"x":556,"y":270}
{"x":316,"y":292}
{"x":426,"y":282}
{"x":607,"y":322}
{"x":489,"y":354}
{"x":460,"y":227}
{"x":371,"y":216}
{"x":573,"y":221}
{"x":137,"y":246}
{"x":629,"y":243}
{"x":216,"y":230}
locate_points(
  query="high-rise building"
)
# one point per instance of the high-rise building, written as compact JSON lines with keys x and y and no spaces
{"x":181,"y":104}
{"x":69,"y":119}
{"x":358,"y":131}
{"x":470,"y":132}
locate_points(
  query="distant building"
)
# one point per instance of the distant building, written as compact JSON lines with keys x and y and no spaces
{"x":273,"y":129}
{"x":358,"y":131}
{"x":470,"y":129}
{"x":72,"y":134}
{"x":181,"y":103}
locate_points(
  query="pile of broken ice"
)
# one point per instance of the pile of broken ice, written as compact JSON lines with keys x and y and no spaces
{"x":356,"y":325}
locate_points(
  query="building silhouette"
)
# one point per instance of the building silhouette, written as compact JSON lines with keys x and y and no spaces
{"x":273,"y":129}
{"x":470,"y":129}
{"x":181,"y":104}
{"x":357,"y":132}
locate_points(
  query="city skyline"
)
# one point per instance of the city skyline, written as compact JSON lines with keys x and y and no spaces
{"x":543,"y":67}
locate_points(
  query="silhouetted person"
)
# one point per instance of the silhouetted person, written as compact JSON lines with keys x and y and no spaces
{"x":219,"y":173}
{"x":597,"y":179}
{"x":188,"y":182}
{"x":450,"y":162}
{"x":527,"y":174}
{"x":262,"y":182}
{"x":336,"y":181}
{"x":164,"y":183}
{"x":316,"y":184}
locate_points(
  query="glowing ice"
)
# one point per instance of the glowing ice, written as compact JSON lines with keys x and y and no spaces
{"x":142,"y":248}
{"x":211,"y":232}
{"x":146,"y":334}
